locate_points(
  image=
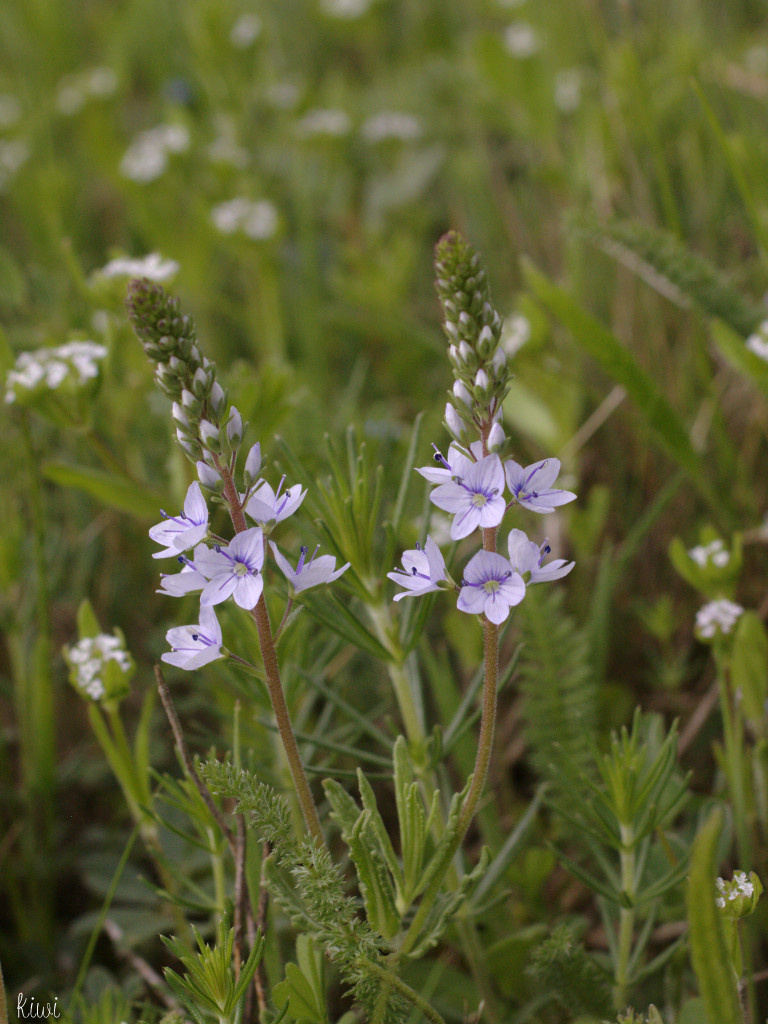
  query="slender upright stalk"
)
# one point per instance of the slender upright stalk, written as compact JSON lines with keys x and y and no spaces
{"x":274,"y":683}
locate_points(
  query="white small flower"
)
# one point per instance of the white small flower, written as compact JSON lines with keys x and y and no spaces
{"x":152,"y":266}
{"x":246,"y":30}
{"x":257,"y":219}
{"x":718,"y":616}
{"x":14,"y":153}
{"x":391,"y":125}
{"x":521,"y":39}
{"x":758,"y":341}
{"x":568,"y":90}
{"x":345,"y":8}
{"x":179,"y":533}
{"x":88,"y":659}
{"x":147,"y":156}
{"x":75,"y":361}
{"x":515,"y":332}
{"x":715,"y":553}
{"x":323,"y":121}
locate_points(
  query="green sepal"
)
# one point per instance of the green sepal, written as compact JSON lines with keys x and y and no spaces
{"x":749,"y":669}
{"x":302,"y":993}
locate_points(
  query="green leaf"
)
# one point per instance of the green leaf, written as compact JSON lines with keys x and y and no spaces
{"x":87,"y":623}
{"x":303,"y":990}
{"x":620,"y":364}
{"x":339,"y":618}
{"x":709,"y":951}
{"x":115,"y":491}
{"x":749,"y":667}
{"x":446,"y":905}
{"x":733,"y":347}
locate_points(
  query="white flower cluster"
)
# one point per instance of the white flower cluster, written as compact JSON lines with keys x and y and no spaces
{"x":717,"y":616}
{"x":758,"y":342}
{"x":324,"y":121}
{"x":246,"y":30}
{"x":257,"y":219}
{"x":714,"y":552}
{"x":152,"y":266}
{"x":347,"y":9}
{"x":88,"y":658}
{"x":76,"y":362}
{"x":739,"y":897}
{"x":14,"y":153}
{"x":74,"y":91}
{"x":147,"y":156}
{"x":391,"y":124}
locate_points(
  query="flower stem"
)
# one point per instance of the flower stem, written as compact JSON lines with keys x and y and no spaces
{"x":274,"y":684}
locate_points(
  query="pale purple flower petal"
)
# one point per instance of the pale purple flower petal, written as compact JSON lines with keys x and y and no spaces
{"x":490,"y":587}
{"x":181,"y":532}
{"x":423,"y":571}
{"x":526,"y":557}
{"x":234,"y":571}
{"x":195,"y":646}
{"x":531,"y":486}
{"x":308,"y":574}
{"x":475,"y":498}
{"x":188,"y":580}
{"x":267,"y":506}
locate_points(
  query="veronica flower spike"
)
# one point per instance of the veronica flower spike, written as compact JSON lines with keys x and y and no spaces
{"x":311,"y":573}
{"x":475,"y":498}
{"x":490,"y":587}
{"x":423,"y":571}
{"x":195,"y":646}
{"x":181,"y":532}
{"x":233,"y":571}
{"x":531,"y":487}
{"x":525,"y":557}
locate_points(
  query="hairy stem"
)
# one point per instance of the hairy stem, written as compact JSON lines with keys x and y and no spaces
{"x":274,"y":683}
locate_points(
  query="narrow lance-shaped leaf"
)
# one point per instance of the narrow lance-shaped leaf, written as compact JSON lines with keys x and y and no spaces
{"x":709,"y":951}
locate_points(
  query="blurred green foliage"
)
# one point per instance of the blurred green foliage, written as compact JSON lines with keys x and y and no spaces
{"x":362,"y":131}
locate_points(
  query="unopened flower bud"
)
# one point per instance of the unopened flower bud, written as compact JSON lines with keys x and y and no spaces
{"x":456,"y":426}
{"x":451,"y":329}
{"x":200,"y":383}
{"x":466,"y":353}
{"x":209,"y":478}
{"x":252,"y":465}
{"x":234,"y":427}
{"x":486,"y":343}
{"x":209,"y":434}
{"x":180,"y":415}
{"x":185,"y":444}
{"x":481,"y":380}
{"x":496,"y":437}
{"x":217,"y":399}
{"x":461,"y":392}
{"x":499,"y":361}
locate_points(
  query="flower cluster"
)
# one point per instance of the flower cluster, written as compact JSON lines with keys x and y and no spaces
{"x":473,"y":492}
{"x":218,"y":570}
{"x":71,"y":365}
{"x":717,"y":618}
{"x":738,"y":897}
{"x":475,"y":484}
{"x":100,"y":666}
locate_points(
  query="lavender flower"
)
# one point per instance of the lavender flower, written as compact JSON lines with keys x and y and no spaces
{"x":423,"y":571}
{"x":308,"y":574}
{"x":525,"y":557}
{"x":490,"y":587}
{"x":195,"y":646}
{"x":475,"y":498}
{"x":188,"y":580}
{"x":233,"y":571}
{"x":531,"y":486}
{"x":185,"y":530}
{"x":267,"y":506}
